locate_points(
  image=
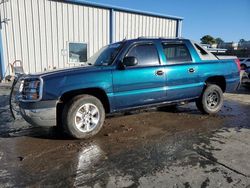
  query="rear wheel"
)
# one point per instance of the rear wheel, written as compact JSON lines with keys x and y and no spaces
{"x":83,"y":116}
{"x":211,"y":100}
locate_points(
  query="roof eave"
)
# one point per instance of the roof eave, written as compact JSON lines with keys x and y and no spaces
{"x":98,"y":5}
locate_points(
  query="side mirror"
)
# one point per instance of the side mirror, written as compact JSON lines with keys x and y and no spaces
{"x":130,"y":61}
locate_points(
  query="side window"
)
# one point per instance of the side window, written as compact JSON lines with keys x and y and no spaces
{"x":146,"y":54}
{"x":176,"y":53}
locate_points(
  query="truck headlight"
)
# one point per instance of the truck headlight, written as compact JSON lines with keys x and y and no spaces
{"x":31,"y":89}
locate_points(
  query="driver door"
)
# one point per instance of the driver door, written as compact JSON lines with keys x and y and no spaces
{"x":143,"y":83}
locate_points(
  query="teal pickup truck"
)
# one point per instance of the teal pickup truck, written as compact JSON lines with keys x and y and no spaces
{"x":127,"y":75}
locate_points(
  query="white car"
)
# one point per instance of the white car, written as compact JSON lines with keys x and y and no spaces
{"x":244,"y":63}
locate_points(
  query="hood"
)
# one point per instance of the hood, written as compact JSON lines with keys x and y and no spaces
{"x":67,"y":71}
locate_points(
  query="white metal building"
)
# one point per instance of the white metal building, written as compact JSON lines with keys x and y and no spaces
{"x":47,"y":34}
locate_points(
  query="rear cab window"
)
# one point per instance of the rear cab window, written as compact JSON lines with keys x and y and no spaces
{"x":176,"y":53}
{"x":146,"y":54}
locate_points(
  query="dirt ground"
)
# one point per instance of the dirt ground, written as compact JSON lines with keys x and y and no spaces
{"x":144,"y":149}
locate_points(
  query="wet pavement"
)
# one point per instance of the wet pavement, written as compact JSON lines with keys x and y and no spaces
{"x":143,"y":149}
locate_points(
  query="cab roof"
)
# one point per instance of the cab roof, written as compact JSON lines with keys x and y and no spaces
{"x":156,"y":39}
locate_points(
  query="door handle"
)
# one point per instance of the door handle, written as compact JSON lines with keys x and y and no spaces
{"x":159,"y":72}
{"x":191,"y":70}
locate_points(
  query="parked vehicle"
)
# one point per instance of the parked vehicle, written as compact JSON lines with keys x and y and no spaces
{"x":127,"y":75}
{"x":248,"y":71}
{"x":245,"y":78}
{"x":244,"y":63}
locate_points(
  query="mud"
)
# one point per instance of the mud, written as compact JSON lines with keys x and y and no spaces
{"x":147,"y":148}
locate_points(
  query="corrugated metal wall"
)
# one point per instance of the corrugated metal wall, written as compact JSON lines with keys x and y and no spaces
{"x":38,"y":31}
{"x":128,"y":25}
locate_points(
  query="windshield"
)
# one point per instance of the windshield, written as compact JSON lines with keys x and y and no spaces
{"x":105,"y":55}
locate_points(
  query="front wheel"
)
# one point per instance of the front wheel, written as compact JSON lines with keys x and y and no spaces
{"x":83,"y":116}
{"x":211,"y":100}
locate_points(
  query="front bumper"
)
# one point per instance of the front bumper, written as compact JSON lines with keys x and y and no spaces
{"x":39,"y":113}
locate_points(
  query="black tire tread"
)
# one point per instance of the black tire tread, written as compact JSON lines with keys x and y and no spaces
{"x":200,"y":103}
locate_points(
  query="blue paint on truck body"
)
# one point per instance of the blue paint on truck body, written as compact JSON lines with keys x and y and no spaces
{"x":139,"y":86}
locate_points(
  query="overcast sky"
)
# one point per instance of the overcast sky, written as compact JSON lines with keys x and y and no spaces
{"x":228,"y":19}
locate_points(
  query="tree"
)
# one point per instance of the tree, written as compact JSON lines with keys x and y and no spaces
{"x":219,"y":40}
{"x":207,"y":39}
{"x":242,"y":41}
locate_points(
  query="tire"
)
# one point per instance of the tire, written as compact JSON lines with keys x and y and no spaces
{"x":211,"y":100}
{"x":83,"y":116}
